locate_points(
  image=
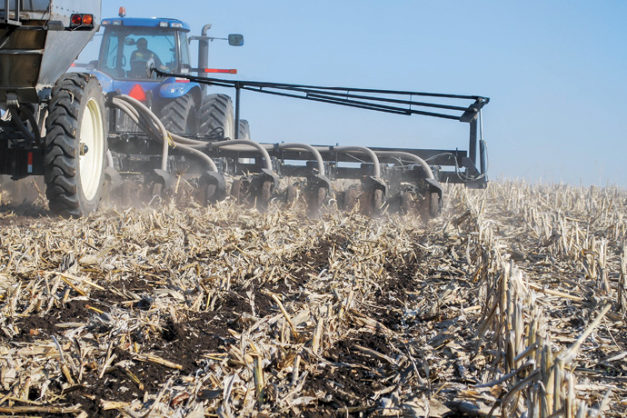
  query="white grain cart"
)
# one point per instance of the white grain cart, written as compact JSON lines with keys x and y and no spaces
{"x":53,"y":122}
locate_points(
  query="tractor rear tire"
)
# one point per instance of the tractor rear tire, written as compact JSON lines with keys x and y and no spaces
{"x":244,"y":129}
{"x":179,"y":116}
{"x":76,"y":145}
{"x":215,"y":117}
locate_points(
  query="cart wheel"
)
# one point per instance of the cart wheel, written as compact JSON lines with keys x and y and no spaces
{"x":76,"y":145}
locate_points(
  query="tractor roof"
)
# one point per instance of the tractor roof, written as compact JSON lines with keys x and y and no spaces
{"x":150,"y":22}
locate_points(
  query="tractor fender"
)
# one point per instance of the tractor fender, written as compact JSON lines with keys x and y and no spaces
{"x":105,"y":81}
{"x":174,"y":90}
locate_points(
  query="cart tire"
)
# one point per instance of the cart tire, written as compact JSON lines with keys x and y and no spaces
{"x":179,"y":116}
{"x":215,"y":117}
{"x":76,"y":145}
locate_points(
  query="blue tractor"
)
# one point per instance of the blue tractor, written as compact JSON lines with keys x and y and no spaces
{"x":142,"y":110}
{"x":131,"y":50}
{"x":131,"y":47}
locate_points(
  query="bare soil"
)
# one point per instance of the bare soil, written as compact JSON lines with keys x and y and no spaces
{"x":162,"y":310}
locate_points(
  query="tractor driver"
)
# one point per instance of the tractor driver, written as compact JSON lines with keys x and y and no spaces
{"x":141,"y":56}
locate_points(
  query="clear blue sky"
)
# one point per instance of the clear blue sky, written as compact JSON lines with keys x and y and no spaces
{"x":555,"y":72}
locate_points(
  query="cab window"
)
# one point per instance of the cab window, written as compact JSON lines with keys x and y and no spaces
{"x":126,"y":51}
{"x":184,"y":48}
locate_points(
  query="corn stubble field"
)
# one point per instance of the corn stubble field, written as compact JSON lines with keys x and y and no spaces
{"x":513,"y":302}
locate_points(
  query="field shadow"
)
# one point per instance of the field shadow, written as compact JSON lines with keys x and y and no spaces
{"x":22,"y":201}
{"x":22,"y":214}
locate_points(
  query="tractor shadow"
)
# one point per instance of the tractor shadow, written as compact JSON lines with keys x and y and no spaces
{"x":21,"y":201}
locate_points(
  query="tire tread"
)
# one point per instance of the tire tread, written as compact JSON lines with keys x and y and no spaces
{"x":175,"y":114}
{"x":214,"y":113}
{"x":61,"y":153}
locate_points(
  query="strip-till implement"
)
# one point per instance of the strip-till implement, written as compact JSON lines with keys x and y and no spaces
{"x":147,"y":114}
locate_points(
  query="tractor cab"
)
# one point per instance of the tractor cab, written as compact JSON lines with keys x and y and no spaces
{"x":131,"y":46}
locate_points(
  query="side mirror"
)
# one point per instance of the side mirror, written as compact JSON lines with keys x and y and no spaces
{"x":236,"y":39}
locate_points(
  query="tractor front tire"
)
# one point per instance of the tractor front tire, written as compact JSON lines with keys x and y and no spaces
{"x":76,"y":145}
{"x":215,"y":117}
{"x":179,"y":116}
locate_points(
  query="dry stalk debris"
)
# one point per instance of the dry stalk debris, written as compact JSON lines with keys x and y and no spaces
{"x":511,"y":303}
